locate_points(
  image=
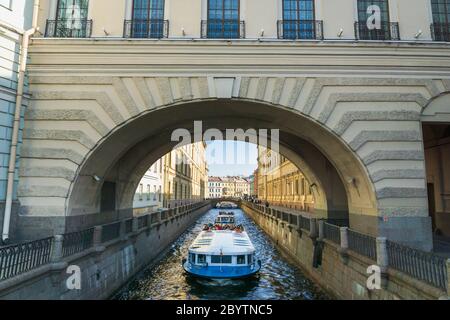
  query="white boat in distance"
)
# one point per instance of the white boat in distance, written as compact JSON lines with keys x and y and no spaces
{"x":226,"y":205}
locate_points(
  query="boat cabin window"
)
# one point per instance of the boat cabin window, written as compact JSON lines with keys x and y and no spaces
{"x":192,"y":258}
{"x":220,"y":259}
{"x":250,"y":259}
{"x":201,"y":258}
{"x":240,"y":259}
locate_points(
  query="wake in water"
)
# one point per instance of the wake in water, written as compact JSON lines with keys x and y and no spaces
{"x":279,"y":278}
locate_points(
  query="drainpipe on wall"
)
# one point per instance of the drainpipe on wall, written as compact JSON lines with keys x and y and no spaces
{"x":16,"y":125}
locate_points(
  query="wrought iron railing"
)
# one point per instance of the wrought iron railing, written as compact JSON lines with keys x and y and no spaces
{"x":387,"y":31}
{"x":77,"y":242}
{"x":143,"y":222}
{"x":424,"y":266}
{"x":305,"y":223}
{"x":129,"y":226}
{"x":69,"y":28}
{"x":110,"y":232}
{"x":154,"y":218}
{"x":155,"y":28}
{"x":223,"y":29}
{"x":293,"y":219}
{"x":440,"y":31}
{"x":18,"y":259}
{"x":332,"y":233}
{"x":421,"y":265}
{"x":363,"y":244}
{"x":300,"y":29}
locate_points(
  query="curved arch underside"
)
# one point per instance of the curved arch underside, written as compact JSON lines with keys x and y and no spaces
{"x":359,"y":139}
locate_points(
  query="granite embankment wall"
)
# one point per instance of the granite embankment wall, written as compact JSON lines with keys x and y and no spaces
{"x":343,"y":274}
{"x":105,"y":267}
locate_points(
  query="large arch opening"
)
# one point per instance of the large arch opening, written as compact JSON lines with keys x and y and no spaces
{"x":122,"y":157}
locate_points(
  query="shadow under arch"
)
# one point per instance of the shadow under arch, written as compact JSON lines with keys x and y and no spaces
{"x":123,"y":156}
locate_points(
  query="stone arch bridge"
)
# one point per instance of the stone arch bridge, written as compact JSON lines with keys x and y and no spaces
{"x":350,"y":116}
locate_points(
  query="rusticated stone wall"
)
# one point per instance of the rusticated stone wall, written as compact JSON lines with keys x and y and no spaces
{"x":344,"y":277}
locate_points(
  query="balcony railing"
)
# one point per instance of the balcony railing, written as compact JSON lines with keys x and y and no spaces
{"x":223,"y":29}
{"x":440,"y":31}
{"x":69,"y":28}
{"x":150,"y":29}
{"x":300,"y":29}
{"x":388,"y":31}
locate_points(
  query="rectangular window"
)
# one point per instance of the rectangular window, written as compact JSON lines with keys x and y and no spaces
{"x":223,"y":19}
{"x":249,"y":259}
{"x":374,"y":8}
{"x":192,"y":258}
{"x":221,"y":259}
{"x":240,"y":260}
{"x":441,"y":19}
{"x":298,"y":20}
{"x":71,"y":20}
{"x":201,"y":258}
{"x":148,"y":19}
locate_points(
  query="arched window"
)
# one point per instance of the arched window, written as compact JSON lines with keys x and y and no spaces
{"x":223,"y":20}
{"x":147,"y":20}
{"x":71,"y":20}
{"x":373,"y":21}
{"x":441,"y":20}
{"x":299,"y":21}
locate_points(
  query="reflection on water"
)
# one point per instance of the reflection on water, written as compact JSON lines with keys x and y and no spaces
{"x":278,"y":279}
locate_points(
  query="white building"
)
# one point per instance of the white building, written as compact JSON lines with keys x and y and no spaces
{"x":215,"y":187}
{"x":149,"y":192}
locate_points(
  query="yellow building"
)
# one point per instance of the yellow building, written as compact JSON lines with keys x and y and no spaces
{"x":281,"y":183}
{"x":185,"y":175}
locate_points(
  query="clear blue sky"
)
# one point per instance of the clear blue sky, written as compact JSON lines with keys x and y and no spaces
{"x":231,"y":158}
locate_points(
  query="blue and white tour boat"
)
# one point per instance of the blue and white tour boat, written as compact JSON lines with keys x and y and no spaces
{"x":222,"y":251}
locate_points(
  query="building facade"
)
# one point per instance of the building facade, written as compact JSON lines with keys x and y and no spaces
{"x":149,"y":195}
{"x":215,"y":188}
{"x":185,"y":175}
{"x":177,"y":178}
{"x":281,"y":183}
{"x":228,"y":187}
{"x":15,"y":19}
{"x":352,"y":113}
{"x":238,"y":19}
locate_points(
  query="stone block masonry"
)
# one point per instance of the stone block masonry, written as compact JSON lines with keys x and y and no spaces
{"x":341,"y":274}
{"x":105,"y":268}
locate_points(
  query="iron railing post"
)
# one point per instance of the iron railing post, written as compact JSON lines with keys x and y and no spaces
{"x":123,"y":228}
{"x":98,"y":230}
{"x":135,"y":225}
{"x":321,"y":230}
{"x":344,"y":238}
{"x":313,"y":228}
{"x":382,"y":254}
{"x":57,"y":248}
{"x":448,"y":277}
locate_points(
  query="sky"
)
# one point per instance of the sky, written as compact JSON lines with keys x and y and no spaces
{"x":231,"y":158}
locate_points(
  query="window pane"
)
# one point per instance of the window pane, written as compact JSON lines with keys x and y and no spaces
{"x":223,"y":19}
{"x":298,"y":19}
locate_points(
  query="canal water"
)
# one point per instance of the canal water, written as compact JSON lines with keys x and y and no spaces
{"x":278,"y":279}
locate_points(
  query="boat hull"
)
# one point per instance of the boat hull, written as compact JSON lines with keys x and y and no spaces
{"x":221,"y":272}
